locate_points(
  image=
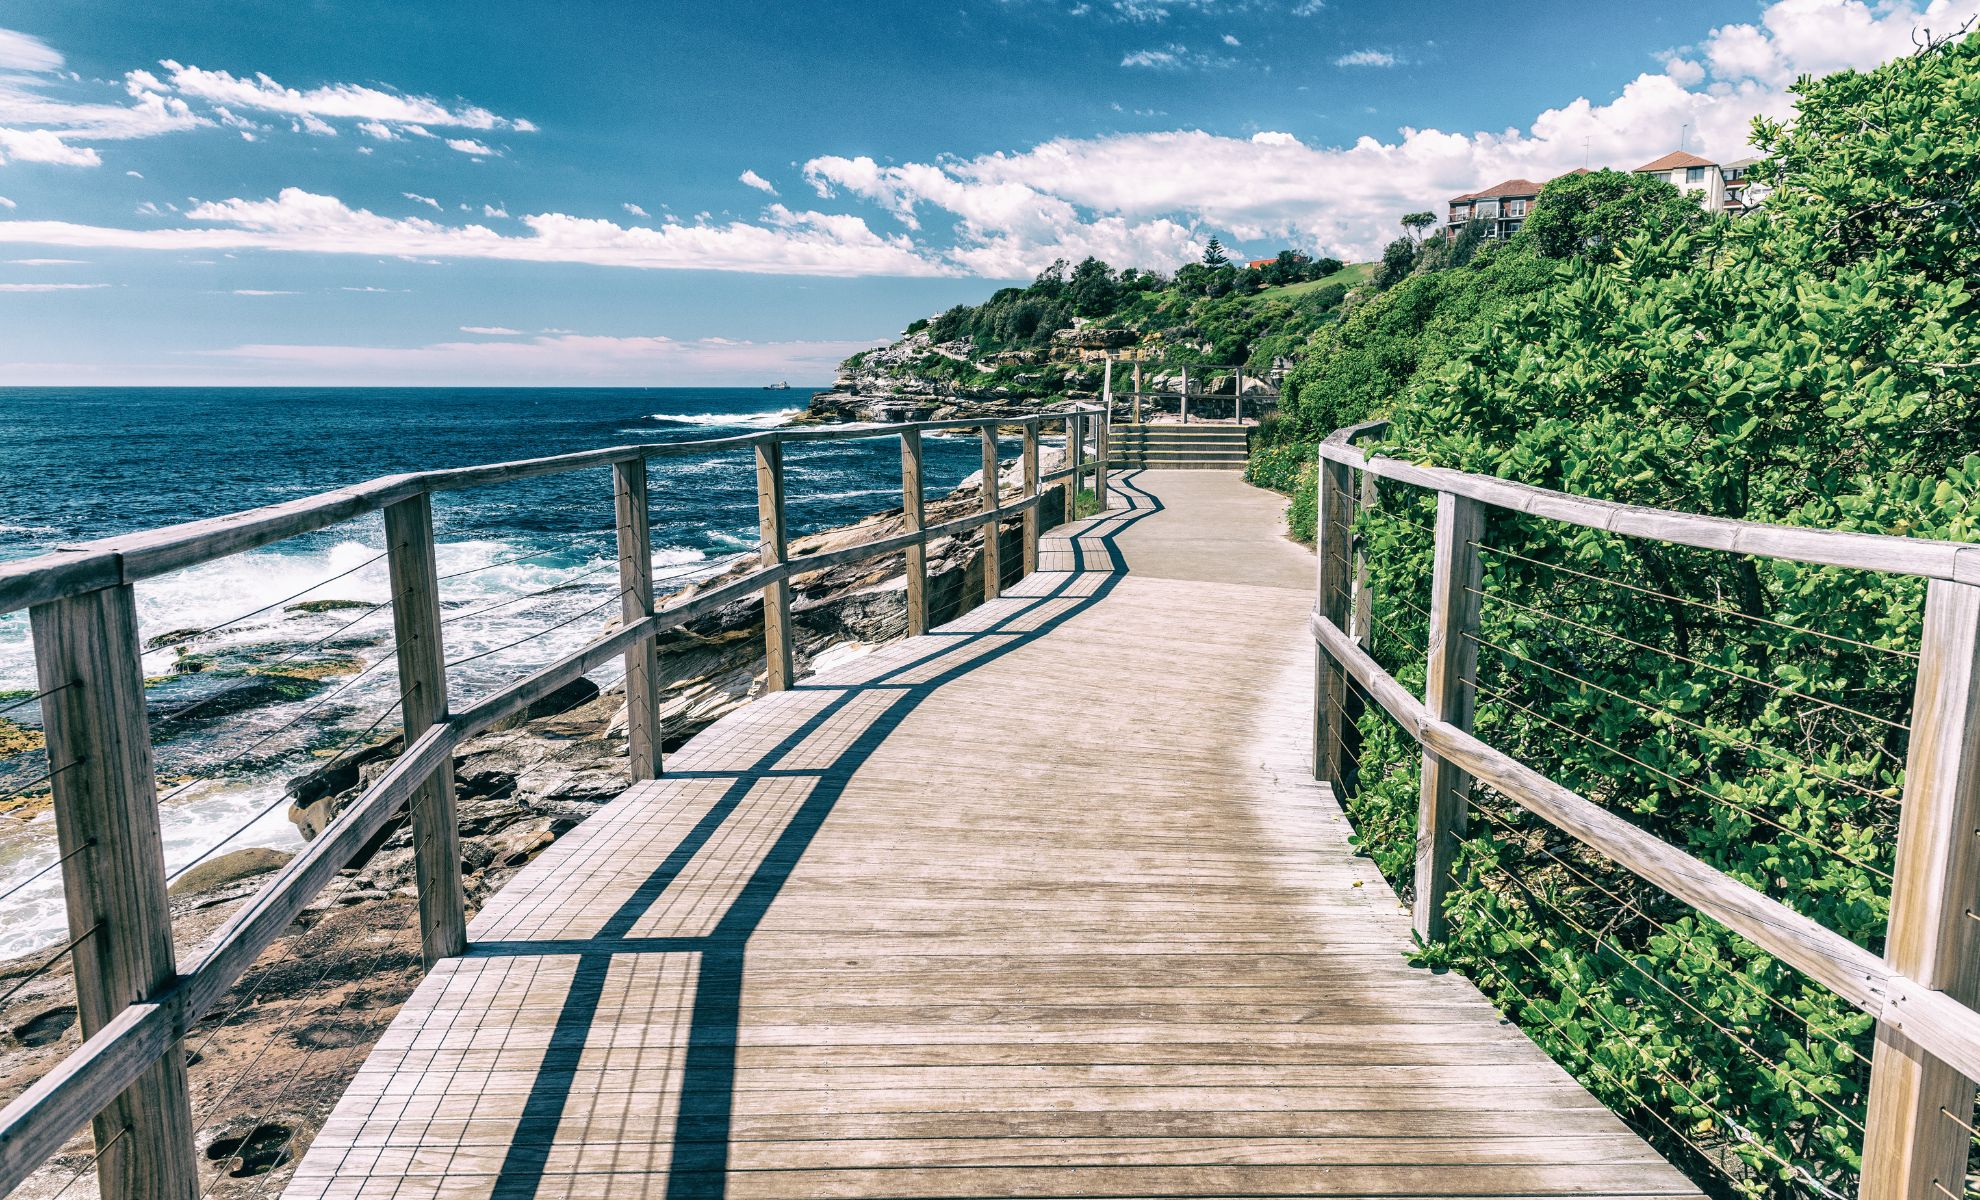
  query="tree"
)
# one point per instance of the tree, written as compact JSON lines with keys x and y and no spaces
{"x":1213,"y":254}
{"x":1398,"y":260}
{"x":1592,"y":213}
{"x":1417,"y":222}
{"x":1093,"y":288}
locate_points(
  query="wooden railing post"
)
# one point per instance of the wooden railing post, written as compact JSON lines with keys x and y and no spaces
{"x":1137,"y":391}
{"x":113,"y":874}
{"x":1185,"y":396}
{"x":643,"y":736}
{"x":778,"y":667}
{"x":422,"y":703}
{"x":1031,"y":494}
{"x":1075,"y":446}
{"x":1457,"y":575}
{"x":1107,"y":384}
{"x":1101,"y":451}
{"x":912,"y":521}
{"x":1237,"y":399}
{"x":1915,"y":1137}
{"x":1332,"y":601}
{"x":993,"y":559}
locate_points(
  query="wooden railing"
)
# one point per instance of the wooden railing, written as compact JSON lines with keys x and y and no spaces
{"x":135,"y":1000}
{"x":1922,"y":991}
{"x":1136,"y":396}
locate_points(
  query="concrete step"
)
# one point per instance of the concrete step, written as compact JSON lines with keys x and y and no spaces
{"x":1184,"y":464}
{"x":1166,"y":442}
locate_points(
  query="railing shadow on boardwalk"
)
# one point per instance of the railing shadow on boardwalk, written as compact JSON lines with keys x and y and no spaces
{"x":700,"y":1148}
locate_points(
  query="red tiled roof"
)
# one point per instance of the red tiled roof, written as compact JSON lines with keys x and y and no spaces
{"x":1514,"y":188}
{"x":1261,"y":262}
{"x":1676,"y":158}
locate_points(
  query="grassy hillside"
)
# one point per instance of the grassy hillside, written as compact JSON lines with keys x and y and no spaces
{"x":1039,"y":342}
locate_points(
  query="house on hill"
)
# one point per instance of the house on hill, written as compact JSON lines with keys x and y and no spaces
{"x":1503,"y":208}
{"x":1692,"y":175}
{"x":1743,"y":192}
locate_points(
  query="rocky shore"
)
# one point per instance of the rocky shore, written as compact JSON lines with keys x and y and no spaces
{"x":271,"y":1059}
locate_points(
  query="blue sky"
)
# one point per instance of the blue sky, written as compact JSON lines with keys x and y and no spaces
{"x":343,"y":192}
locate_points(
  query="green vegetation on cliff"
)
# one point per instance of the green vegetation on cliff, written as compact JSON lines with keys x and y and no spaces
{"x":1025,"y":342}
{"x":1815,"y":363}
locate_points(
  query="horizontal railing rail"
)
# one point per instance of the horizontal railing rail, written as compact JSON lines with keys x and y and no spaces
{"x":1922,"y":991}
{"x":128,"y":1074}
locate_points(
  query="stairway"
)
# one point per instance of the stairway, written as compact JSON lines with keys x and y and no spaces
{"x":1170,"y":447}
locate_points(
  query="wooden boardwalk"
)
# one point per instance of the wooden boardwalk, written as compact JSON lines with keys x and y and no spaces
{"x":1045,"y":903}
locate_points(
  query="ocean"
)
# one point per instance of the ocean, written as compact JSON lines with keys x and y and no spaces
{"x":518,"y":560}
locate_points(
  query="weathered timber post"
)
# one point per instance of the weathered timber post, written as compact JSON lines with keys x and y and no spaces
{"x":1362,"y":601}
{"x":643,"y":735}
{"x":1107,"y":384}
{"x":1075,"y":446}
{"x":778,"y":667}
{"x":113,"y":874}
{"x":1185,"y":395}
{"x":1102,"y":449}
{"x":1915,"y":1137}
{"x":1031,"y":495}
{"x":1137,"y":389}
{"x":912,"y":521}
{"x":423,"y":702}
{"x":993,"y":565}
{"x":1457,"y":575}
{"x":1331,"y":600}
{"x":1237,"y":399}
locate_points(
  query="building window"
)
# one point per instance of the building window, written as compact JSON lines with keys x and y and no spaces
{"x":1694,"y":174}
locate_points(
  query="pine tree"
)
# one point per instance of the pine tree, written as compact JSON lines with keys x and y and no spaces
{"x":1213,"y":254}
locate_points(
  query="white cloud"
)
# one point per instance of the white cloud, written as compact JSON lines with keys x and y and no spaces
{"x":550,"y":358}
{"x":42,"y":146}
{"x":134,"y":174}
{"x":24,"y":102}
{"x":491,"y":330}
{"x":1367,"y":58}
{"x":470,"y":146}
{"x":1230,"y":40}
{"x":1175,"y":57}
{"x":25,"y":52}
{"x":636,"y":210}
{"x":416,"y":198}
{"x":45,"y":111}
{"x":1168,"y":59}
{"x":375,"y":290}
{"x":752,"y":179}
{"x":263,"y":292}
{"x":786,"y":242}
{"x":6,"y":203}
{"x":1153,"y":198}
{"x":41,"y":262}
{"x":354,"y":101}
{"x":492,"y":210}
{"x":51,"y":287}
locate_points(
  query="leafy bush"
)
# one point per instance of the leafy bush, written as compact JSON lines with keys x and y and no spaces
{"x":1813,"y":364}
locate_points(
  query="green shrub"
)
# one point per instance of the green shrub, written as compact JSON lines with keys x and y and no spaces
{"x":1813,"y":364}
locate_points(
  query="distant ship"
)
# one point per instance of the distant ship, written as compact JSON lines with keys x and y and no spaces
{"x":779,"y":386}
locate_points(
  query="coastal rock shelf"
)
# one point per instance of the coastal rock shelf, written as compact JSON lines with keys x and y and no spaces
{"x":1042,"y":902}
